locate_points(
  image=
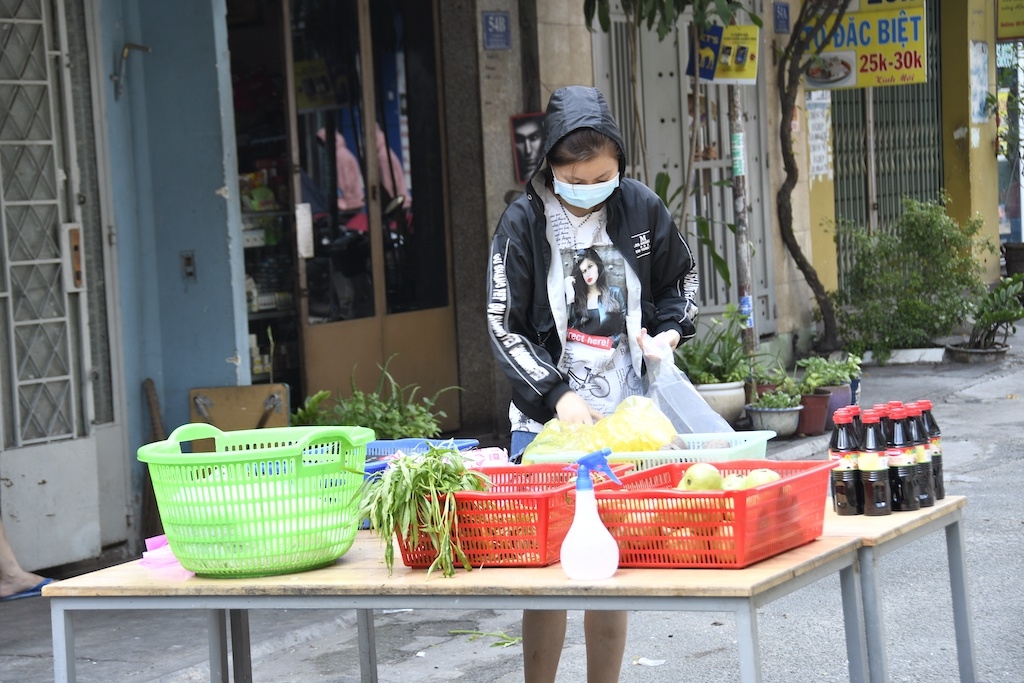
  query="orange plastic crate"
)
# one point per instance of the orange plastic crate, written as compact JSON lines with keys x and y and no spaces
{"x":520,"y":521}
{"x":658,"y":526}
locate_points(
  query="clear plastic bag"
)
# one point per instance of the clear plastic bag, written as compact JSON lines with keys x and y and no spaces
{"x":674,"y":395}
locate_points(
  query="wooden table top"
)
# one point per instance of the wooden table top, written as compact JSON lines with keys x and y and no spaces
{"x":877,"y":530}
{"x":361,"y":572}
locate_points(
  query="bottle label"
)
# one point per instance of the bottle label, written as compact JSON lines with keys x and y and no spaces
{"x":922,"y":453}
{"x":935,"y":444}
{"x":847,"y":459}
{"x":873,"y":460}
{"x":900,"y":456}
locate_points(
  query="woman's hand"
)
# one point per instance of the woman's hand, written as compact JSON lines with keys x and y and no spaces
{"x":654,"y":347}
{"x":572,"y":409}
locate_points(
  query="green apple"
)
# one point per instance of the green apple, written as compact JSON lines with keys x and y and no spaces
{"x":732,"y":482}
{"x":701,"y":476}
{"x":760,"y":476}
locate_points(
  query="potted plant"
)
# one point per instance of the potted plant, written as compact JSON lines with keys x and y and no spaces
{"x":833,"y":375}
{"x":777,"y":410}
{"x":995,"y":313}
{"x":717,"y":363}
{"x":814,"y":398}
{"x":391,"y":410}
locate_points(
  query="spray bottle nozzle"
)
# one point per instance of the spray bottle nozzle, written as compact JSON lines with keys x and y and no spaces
{"x":598,"y":460}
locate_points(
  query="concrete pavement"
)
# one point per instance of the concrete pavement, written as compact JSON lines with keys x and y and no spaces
{"x":980,"y":409}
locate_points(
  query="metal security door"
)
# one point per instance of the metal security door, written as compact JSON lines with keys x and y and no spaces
{"x":666,"y":112}
{"x":888,"y":146}
{"x":48,"y":462}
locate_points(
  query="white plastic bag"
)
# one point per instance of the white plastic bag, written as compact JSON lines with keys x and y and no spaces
{"x":675,"y":396}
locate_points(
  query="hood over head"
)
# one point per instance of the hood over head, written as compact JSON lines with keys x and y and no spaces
{"x":578,"y":106}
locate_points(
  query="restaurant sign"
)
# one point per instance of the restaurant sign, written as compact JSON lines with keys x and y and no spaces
{"x":871,"y":48}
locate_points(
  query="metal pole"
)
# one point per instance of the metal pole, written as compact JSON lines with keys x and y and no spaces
{"x":738,"y":154}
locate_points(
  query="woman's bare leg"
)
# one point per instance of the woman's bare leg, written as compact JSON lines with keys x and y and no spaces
{"x":606,"y":644}
{"x":13,"y":579}
{"x":543,"y":637}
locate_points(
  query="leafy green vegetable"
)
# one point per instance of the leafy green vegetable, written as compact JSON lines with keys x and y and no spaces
{"x":412,"y":497}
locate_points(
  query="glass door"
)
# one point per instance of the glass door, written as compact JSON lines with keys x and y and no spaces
{"x":375,"y":276}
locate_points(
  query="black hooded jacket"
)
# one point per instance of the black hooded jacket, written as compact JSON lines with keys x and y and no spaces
{"x":522,"y":330}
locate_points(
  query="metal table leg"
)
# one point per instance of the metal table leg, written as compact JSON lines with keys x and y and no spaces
{"x":749,"y":644}
{"x":367,"y":646}
{"x":63,"y":631}
{"x":853,"y":623}
{"x":218,"y":647}
{"x":878,"y":661}
{"x":961,"y":604}
{"x":241,"y":653}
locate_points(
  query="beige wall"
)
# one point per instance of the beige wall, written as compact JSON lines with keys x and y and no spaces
{"x":566,"y":55}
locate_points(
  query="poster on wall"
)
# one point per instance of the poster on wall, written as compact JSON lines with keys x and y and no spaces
{"x":819,"y":135}
{"x":1009,"y":20}
{"x":979,"y":81}
{"x":872,"y":48}
{"x":527,"y":144}
{"x":738,"y":56}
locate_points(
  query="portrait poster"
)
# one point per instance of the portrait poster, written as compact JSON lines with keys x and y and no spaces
{"x":527,"y":144}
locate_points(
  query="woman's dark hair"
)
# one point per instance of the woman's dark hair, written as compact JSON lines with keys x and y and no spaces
{"x":583,"y":144}
{"x":580,"y":285}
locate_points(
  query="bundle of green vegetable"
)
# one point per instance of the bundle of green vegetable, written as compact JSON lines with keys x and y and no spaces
{"x":412,"y":497}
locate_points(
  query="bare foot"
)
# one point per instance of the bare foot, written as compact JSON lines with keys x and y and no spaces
{"x":23,"y":581}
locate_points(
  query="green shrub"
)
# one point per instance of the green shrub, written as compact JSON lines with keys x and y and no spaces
{"x":908,"y":286}
{"x":390,"y":410}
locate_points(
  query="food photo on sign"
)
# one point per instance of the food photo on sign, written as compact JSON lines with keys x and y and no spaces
{"x":832,"y":70}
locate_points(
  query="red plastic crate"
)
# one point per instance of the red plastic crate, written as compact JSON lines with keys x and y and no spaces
{"x":658,"y":526}
{"x":520,"y":521}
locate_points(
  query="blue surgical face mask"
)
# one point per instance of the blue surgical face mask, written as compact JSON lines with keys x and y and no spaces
{"x":585,"y":196}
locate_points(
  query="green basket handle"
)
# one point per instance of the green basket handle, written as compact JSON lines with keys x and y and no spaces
{"x":193,"y":431}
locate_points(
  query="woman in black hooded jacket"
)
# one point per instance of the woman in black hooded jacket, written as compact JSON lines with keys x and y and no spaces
{"x":578,"y":203}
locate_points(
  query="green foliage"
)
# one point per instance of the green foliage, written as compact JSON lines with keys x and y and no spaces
{"x":826,"y":372}
{"x":718,"y":356}
{"x":412,"y":497}
{"x":911,"y":285}
{"x":996,"y":312}
{"x":502,"y":639}
{"x":777,"y":398}
{"x":392,"y":411}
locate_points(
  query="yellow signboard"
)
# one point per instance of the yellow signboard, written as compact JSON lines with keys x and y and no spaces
{"x":872,"y":48}
{"x":1009,"y":20}
{"x":738,"y":55}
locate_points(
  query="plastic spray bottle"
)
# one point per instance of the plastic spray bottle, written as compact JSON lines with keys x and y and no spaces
{"x":589,"y":552}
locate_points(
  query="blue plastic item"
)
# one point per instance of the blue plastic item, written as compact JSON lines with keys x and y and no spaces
{"x":380,"y":449}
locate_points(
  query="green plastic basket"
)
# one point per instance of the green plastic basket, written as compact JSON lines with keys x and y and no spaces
{"x":265,"y":501}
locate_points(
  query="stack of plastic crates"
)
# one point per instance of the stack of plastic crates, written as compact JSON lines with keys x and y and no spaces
{"x":520,"y":521}
{"x":263,"y":502}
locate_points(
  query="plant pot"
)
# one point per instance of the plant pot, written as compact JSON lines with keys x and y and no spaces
{"x":725,"y":398}
{"x":962,"y":354}
{"x":814,"y":414}
{"x":842,"y":396}
{"x":782,"y":421}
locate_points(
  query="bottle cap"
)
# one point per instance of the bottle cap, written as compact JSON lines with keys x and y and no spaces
{"x":842,"y":417}
{"x":894,"y":404}
{"x":881,"y":408}
{"x":898,"y":413}
{"x":913,"y":410}
{"x":853,"y":409}
{"x":870,"y":416}
{"x":924,"y":403}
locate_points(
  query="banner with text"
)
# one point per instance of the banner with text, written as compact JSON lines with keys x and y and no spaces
{"x":1009,"y":20}
{"x":872,"y":48}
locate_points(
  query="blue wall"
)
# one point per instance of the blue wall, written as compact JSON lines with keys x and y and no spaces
{"x":174,"y":178}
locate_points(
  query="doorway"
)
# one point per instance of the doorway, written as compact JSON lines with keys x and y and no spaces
{"x":362,"y":122}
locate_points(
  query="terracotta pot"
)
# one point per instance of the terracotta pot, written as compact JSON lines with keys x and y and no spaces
{"x":842,"y":396}
{"x":814,"y":414}
{"x":782,"y":421}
